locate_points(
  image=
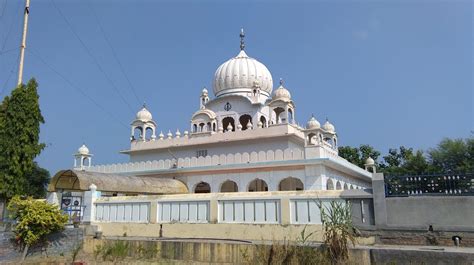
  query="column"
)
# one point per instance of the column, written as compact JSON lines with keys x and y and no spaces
{"x":380,"y":206}
{"x":89,"y":207}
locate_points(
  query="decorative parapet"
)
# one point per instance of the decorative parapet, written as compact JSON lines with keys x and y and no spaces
{"x":215,"y":160}
{"x":189,"y":139}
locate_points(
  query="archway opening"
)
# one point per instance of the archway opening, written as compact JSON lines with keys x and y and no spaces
{"x":201,"y":127}
{"x":290,"y":115}
{"x":195,"y":128}
{"x":338,"y":185}
{"x":137,"y":133}
{"x":228,"y":121}
{"x":263,"y":120}
{"x":278,"y":117}
{"x":202,"y":187}
{"x":229,"y":186}
{"x":345,"y":186}
{"x":148,"y":133}
{"x":258,"y":185}
{"x":329,"y":184}
{"x":290,"y":183}
{"x":244,"y":121}
{"x":310,"y":138}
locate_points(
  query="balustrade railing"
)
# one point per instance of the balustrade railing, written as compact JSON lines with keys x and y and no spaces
{"x":446,"y":184}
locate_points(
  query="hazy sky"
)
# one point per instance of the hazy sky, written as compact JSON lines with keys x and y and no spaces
{"x":386,"y":73}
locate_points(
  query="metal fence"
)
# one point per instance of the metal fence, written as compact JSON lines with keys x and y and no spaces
{"x":446,"y":184}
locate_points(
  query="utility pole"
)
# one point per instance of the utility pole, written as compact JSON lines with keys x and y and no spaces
{"x":23,"y":41}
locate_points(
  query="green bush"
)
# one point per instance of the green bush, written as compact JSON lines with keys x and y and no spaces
{"x":34,"y":219}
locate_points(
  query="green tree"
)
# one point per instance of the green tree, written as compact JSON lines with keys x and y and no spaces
{"x":453,"y":155}
{"x":20,"y":119}
{"x":37,"y":182}
{"x":358,"y":155}
{"x":404,"y":161}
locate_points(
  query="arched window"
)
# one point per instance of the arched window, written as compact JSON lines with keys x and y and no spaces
{"x":148,"y":133}
{"x":209,"y":127}
{"x":226,"y":121}
{"x":195,"y":128}
{"x":351,"y":187}
{"x":278,"y":117}
{"x":345,"y":186}
{"x":258,"y":185}
{"x":263,"y":120}
{"x":290,"y":115}
{"x":229,"y":186}
{"x":214,"y":127}
{"x":310,"y":138}
{"x":244,"y":120}
{"x":201,"y":127}
{"x":290,"y":183}
{"x":137,"y":133}
{"x":202,"y":187}
{"x":329,"y":184}
{"x":338,"y":185}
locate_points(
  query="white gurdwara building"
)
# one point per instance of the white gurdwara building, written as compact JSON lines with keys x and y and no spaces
{"x":243,"y":139}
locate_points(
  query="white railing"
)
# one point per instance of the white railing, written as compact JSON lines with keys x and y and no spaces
{"x":239,"y":208}
{"x":131,"y":212}
{"x":183,"y":212}
{"x":255,"y":211}
{"x":306,"y":211}
{"x":189,"y":162}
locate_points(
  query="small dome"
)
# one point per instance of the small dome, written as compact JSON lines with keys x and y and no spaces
{"x":242,"y":74}
{"x":83,"y":150}
{"x":281,"y":93}
{"x":313,"y":123}
{"x":369,"y":161}
{"x":329,"y":127}
{"x":144,"y":115}
{"x":204,"y":92}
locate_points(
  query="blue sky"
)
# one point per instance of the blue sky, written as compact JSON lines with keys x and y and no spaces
{"x":386,"y":73}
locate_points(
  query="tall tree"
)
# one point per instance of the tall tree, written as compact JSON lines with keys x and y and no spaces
{"x":453,"y":155}
{"x":20,"y":119}
{"x":37,"y":182}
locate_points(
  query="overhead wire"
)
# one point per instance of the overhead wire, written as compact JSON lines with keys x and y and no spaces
{"x":9,"y":29}
{"x":3,"y":9}
{"x":107,"y":40}
{"x":92,"y":56}
{"x":91,"y":99}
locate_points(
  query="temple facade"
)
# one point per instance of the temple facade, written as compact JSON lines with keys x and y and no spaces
{"x":244,"y":137}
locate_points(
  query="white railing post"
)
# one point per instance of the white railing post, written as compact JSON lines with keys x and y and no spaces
{"x":89,"y":208}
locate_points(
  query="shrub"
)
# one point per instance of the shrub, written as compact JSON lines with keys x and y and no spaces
{"x":34,"y":220}
{"x":338,"y":230}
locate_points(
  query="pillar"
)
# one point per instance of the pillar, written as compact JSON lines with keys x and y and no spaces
{"x":380,"y":205}
{"x":89,"y":207}
{"x":285,"y":211}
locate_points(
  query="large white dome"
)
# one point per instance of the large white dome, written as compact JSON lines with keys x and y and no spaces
{"x":242,"y":74}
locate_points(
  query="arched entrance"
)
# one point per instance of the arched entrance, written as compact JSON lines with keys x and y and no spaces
{"x":225,"y":123}
{"x":329,"y":184}
{"x":229,"y":186}
{"x":202,"y":187}
{"x":290,"y":183}
{"x":244,"y":121}
{"x":258,"y":185}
